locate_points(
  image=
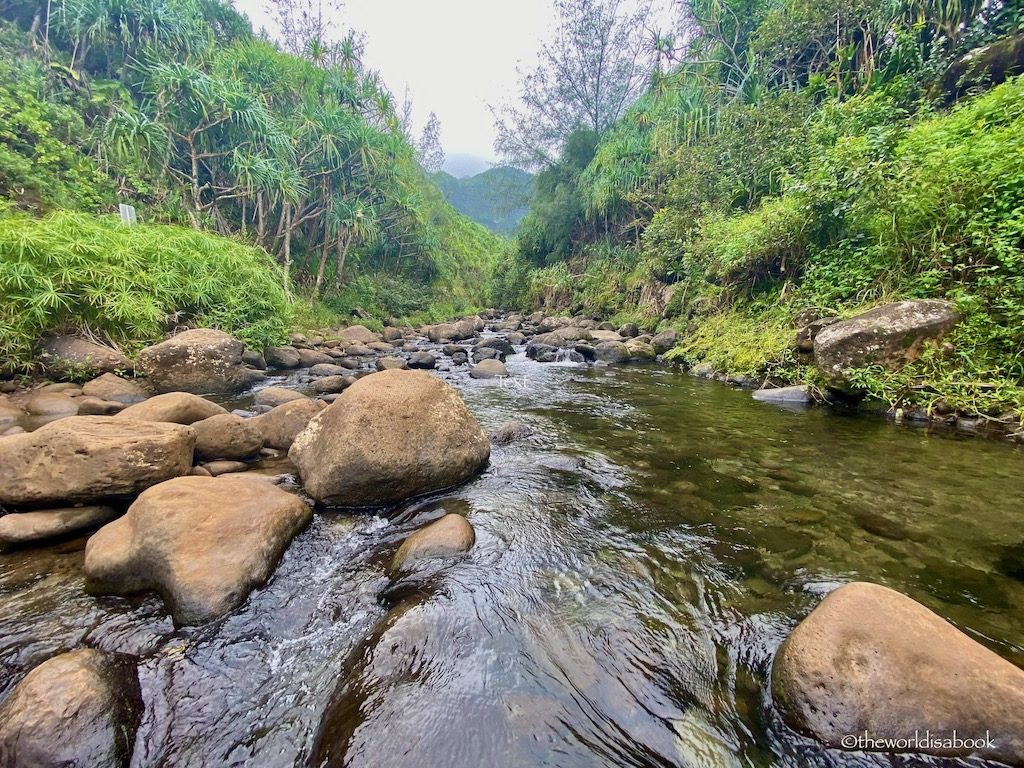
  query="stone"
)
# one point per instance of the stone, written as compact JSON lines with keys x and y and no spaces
{"x":639,"y":351}
{"x":503,"y":346}
{"x":452,"y":349}
{"x":489,"y":369}
{"x":796,"y":395}
{"x":629,"y":330}
{"x":80,"y":708}
{"x":486,"y":354}
{"x":332,"y":384}
{"x":460,"y":358}
{"x":10,"y":415}
{"x":871,"y":659}
{"x":451,"y":535}
{"x":542,"y":353}
{"x":612,"y":352}
{"x":391,"y":334}
{"x":664,"y":341}
{"x":200,"y":361}
{"x":516,"y":338}
{"x":22,"y":528}
{"x":224,"y":467}
{"x":202,"y":543}
{"x":94,"y":406}
{"x":890,"y":336}
{"x":311,"y":357}
{"x":422,"y":360}
{"x":174,"y":407}
{"x":390,"y":436}
{"x":226,"y":436}
{"x":391,"y":364}
{"x":808,"y":332}
{"x":86,"y":458}
{"x":703,"y":371}
{"x":73,"y":356}
{"x":359,"y":334}
{"x":380,"y":346}
{"x":254,"y":359}
{"x":441,"y":332}
{"x":282,"y":357}
{"x":112,"y":387}
{"x":275,"y":396}
{"x":510,"y":432}
{"x":281,"y":425}
{"x":53,"y":404}
{"x":328,"y":369}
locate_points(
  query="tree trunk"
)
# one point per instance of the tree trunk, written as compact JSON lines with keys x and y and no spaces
{"x":323,"y":265}
{"x":343,"y":244}
{"x":287,"y":252}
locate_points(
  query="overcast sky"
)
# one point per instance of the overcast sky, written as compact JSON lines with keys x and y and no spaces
{"x":455,"y":56}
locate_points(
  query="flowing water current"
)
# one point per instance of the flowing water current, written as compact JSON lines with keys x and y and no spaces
{"x":639,"y":560}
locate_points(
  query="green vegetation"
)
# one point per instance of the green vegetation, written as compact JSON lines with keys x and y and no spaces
{"x":175,"y":107}
{"x":497,"y":198}
{"x":799,"y":157}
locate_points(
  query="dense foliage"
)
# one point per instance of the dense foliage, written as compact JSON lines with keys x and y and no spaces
{"x":175,"y":107}
{"x":805,"y":156}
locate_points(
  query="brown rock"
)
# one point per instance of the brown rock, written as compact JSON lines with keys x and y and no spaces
{"x":94,"y":406}
{"x":173,"y":407}
{"x":199,"y":361}
{"x":391,"y":364}
{"x":51,"y":404}
{"x":359,"y":334}
{"x":449,"y":536}
{"x":281,"y":425}
{"x":391,"y":435}
{"x":203,"y":543}
{"x":72,"y":356}
{"x":111,"y":387}
{"x":275,"y":396}
{"x":310,"y":357}
{"x":226,"y":436}
{"x":870,"y":659}
{"x":332,"y":384}
{"x":85,"y":458}
{"x":282,"y":357}
{"x":224,"y":467}
{"x":20,"y":528}
{"x":77,"y":709}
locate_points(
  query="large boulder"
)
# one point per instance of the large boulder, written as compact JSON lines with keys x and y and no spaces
{"x":203,"y":543}
{"x":449,"y":536}
{"x":890,"y":335}
{"x":200,"y":361}
{"x":73,"y":356}
{"x":113,"y":388}
{"x":85,"y":458}
{"x":389,"y":436}
{"x":173,"y":407}
{"x":282,"y":357}
{"x":612,"y":352}
{"x":870,"y":659}
{"x":74,"y":710}
{"x":281,"y":425}
{"x":226,"y":436}
{"x":359,"y":334}
{"x":489,"y":369}
{"x":26,"y":528}
{"x":664,"y":341}
{"x":275,"y":396}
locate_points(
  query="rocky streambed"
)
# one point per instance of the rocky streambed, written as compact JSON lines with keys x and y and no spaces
{"x":609,"y":578}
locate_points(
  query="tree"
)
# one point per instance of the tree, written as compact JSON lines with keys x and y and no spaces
{"x":428,"y":149}
{"x":597,"y":63}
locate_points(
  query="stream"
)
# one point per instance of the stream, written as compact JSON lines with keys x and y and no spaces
{"x":638,"y":562}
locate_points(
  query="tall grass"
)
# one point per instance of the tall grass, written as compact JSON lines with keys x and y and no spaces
{"x":78,"y":272}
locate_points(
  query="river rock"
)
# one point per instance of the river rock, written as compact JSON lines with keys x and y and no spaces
{"x":460,"y":358}
{"x":449,"y":536}
{"x":281,"y":425}
{"x":112,"y":387}
{"x":226,"y":436}
{"x":198,"y":361}
{"x":542,"y":353}
{"x":312,"y":357}
{"x":489,"y":369}
{"x":282,"y":357}
{"x":808,"y":332}
{"x":359,"y":350}
{"x":640,"y":351}
{"x":85,"y":458}
{"x":327,"y":369}
{"x":275,"y":396}
{"x":173,"y":407}
{"x":629,"y":330}
{"x":664,"y":341}
{"x":422,"y":360}
{"x":510,"y":432}
{"x":76,"y":710}
{"x":21,"y":528}
{"x":391,"y":364}
{"x":890,"y":335}
{"x":612,"y":352}
{"x":53,"y":405}
{"x":254,"y":359}
{"x":203,"y":543}
{"x":391,"y":334}
{"x":453,"y":349}
{"x":359,"y":334}
{"x":329,"y":385}
{"x":871,"y":659}
{"x":796,"y":395}
{"x":224,"y":467}
{"x":72,"y":356}
{"x":93,"y":406}
{"x":516,"y":338}
{"x":486,"y":354}
{"x":503,"y":346}
{"x":10,"y":415}
{"x":390,"y":436}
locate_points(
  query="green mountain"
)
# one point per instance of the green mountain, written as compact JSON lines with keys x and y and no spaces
{"x":498,"y":198}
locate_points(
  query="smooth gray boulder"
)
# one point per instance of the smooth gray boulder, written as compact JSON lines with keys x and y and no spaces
{"x":798,"y":394}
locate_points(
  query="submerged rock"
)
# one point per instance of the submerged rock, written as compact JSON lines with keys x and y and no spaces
{"x":795,"y":395}
{"x":86,"y":458}
{"x":198,"y":361}
{"x":173,"y":407}
{"x":203,"y":543}
{"x":390,"y":436}
{"x":489,"y":369}
{"x":23,"y":528}
{"x":510,"y":432}
{"x":79,"y":709}
{"x":890,"y":335}
{"x":449,"y":536}
{"x":870,"y":659}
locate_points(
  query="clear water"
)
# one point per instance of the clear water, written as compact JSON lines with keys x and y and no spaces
{"x":638,"y":563}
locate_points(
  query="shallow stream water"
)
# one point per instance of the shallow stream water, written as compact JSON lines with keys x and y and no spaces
{"x":638,"y":562}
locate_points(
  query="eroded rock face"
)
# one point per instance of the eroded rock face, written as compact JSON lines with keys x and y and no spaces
{"x":199,"y":361}
{"x":203,"y":543}
{"x":390,"y":436}
{"x":281,"y":425}
{"x":870,"y":659}
{"x":891,"y":336}
{"x":72,"y":355}
{"x":80,"y":708}
{"x":449,"y":536}
{"x":86,"y":458}
{"x":173,"y":407}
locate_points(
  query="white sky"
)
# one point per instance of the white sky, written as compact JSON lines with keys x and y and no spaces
{"x":455,"y":56}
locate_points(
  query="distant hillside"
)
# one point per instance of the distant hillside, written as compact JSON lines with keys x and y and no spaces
{"x":462,"y":165}
{"x":498,"y":198}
